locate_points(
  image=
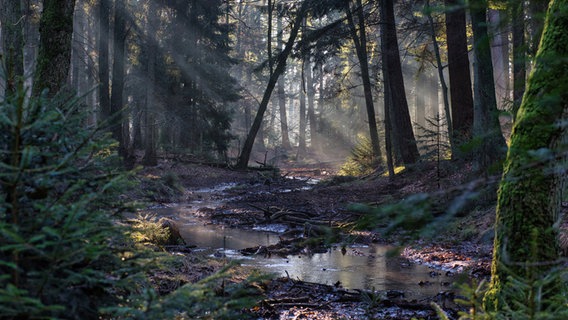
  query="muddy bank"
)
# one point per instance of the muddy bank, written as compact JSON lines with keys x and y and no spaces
{"x":309,"y":209}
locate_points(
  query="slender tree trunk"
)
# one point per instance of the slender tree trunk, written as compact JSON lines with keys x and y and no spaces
{"x":499,"y":54}
{"x":519,"y":53}
{"x":360,"y":41}
{"x":281,"y":92}
{"x":104,"y":34}
{"x":530,"y":193}
{"x":281,"y":64}
{"x":440,"y":69}
{"x":31,"y":40}
{"x":302,"y":116}
{"x":116,"y":99}
{"x":402,"y":126}
{"x":270,"y":8}
{"x":459,"y":72}
{"x":311,"y":107}
{"x":12,"y":43}
{"x":388,"y":113}
{"x":486,"y":127}
{"x":54,"y":56}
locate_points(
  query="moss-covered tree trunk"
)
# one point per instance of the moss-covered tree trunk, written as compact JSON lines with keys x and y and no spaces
{"x":54,"y":56}
{"x":529,"y":195}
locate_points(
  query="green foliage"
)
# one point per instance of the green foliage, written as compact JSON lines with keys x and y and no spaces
{"x":361,"y":160}
{"x":59,"y":244}
{"x":146,"y":229}
{"x":210,"y":298}
{"x":527,"y":299}
{"x":63,"y":252}
{"x":433,"y":140}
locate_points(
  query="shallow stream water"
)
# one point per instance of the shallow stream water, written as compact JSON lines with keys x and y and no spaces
{"x":361,"y":267}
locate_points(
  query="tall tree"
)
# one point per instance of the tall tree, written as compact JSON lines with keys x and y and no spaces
{"x":441,"y":78}
{"x":54,"y":56}
{"x":458,"y":69}
{"x":150,"y":140}
{"x":402,"y":126}
{"x":280,"y":90}
{"x":310,"y":91}
{"x":359,"y":36}
{"x":302,"y":111}
{"x":530,"y":192}
{"x":103,"y":59}
{"x":280,"y":65}
{"x":12,"y":42}
{"x":486,"y":128}
{"x":116,"y":99}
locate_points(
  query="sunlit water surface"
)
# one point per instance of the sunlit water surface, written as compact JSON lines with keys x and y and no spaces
{"x":361,"y":267}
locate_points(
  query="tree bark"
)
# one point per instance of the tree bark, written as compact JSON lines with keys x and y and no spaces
{"x":12,"y":43}
{"x":103,"y":58}
{"x":150,"y":156}
{"x":116,"y":99}
{"x":519,"y":53}
{"x":459,"y":73}
{"x":54,"y":56}
{"x":282,"y":108}
{"x":387,"y":98}
{"x":280,"y":66}
{"x":360,"y":42}
{"x":402,"y":126}
{"x":529,"y":201}
{"x":486,"y":127}
{"x":440,"y":69}
{"x":311,"y":107}
{"x":302,"y":115}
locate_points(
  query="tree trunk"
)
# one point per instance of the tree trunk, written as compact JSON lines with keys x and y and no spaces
{"x":281,"y":64}
{"x":458,"y":69}
{"x":537,"y":11}
{"x":440,"y":69}
{"x":12,"y":43}
{"x":360,"y":41}
{"x":104,"y":34}
{"x":54,"y":56}
{"x":302,"y":116}
{"x":116,"y":100}
{"x":281,"y":92}
{"x":402,"y":127}
{"x":486,"y":127}
{"x":529,"y":202}
{"x":311,"y":107}
{"x":519,"y":53}
{"x":387,"y":98}
{"x":499,"y":55}
{"x":150,"y":156}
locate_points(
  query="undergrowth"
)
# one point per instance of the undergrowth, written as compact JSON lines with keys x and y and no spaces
{"x":65,"y":252}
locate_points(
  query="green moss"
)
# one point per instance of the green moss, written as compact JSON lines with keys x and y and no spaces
{"x":525,"y":241}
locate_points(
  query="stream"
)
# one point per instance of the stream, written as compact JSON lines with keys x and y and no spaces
{"x":364,"y":267}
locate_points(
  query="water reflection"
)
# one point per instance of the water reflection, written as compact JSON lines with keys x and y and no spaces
{"x":361,"y":267}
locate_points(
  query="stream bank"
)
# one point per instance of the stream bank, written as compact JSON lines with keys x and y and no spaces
{"x":251,"y":200}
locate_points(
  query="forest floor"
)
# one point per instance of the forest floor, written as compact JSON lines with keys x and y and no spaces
{"x":309,"y":193}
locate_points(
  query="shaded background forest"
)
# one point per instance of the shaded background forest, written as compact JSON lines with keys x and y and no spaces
{"x":187,"y":77}
{"x":385,"y":83}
